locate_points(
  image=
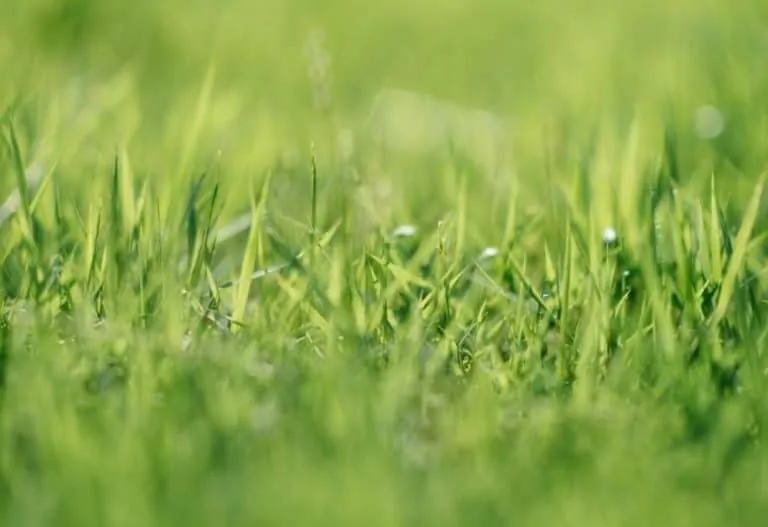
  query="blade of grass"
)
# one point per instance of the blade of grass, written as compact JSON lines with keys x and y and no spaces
{"x":740,"y":246}
{"x":198,"y":120}
{"x":22,"y":184}
{"x":34,"y":180}
{"x":243,"y":288}
{"x":715,"y":241}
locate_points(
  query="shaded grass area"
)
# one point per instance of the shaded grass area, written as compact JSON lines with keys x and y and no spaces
{"x":196,"y":333}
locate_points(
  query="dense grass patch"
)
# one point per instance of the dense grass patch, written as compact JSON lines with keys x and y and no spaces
{"x":224,"y":301}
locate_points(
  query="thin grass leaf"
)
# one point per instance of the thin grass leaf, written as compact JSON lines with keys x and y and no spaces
{"x":234,"y":228}
{"x":22,"y":184}
{"x":529,"y":287}
{"x":34,"y":179}
{"x":243,"y":287}
{"x":198,"y":120}
{"x":313,"y":217}
{"x":735,"y":262}
{"x":715,"y":230}
{"x":671,"y":154}
{"x":92,"y":233}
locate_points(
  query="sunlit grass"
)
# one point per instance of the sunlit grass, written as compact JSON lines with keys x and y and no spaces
{"x":235,"y":290}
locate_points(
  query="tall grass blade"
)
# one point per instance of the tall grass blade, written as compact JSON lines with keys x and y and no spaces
{"x":251,"y":254}
{"x":736,"y":261}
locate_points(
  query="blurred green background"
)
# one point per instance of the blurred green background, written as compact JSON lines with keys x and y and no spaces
{"x":531,"y":62}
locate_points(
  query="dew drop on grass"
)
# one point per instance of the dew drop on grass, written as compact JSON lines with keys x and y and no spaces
{"x":610,"y":236}
{"x":488,"y":253}
{"x":404,"y":231}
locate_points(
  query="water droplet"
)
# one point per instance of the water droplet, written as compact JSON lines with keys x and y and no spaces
{"x":489,"y":252}
{"x":404,"y":231}
{"x":610,"y":236}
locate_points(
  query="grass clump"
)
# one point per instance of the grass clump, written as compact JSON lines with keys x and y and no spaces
{"x":202,"y":337}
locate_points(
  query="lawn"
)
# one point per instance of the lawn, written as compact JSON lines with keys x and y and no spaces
{"x":418,"y":263}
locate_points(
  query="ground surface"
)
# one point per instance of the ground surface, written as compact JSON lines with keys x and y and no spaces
{"x":226,"y":300}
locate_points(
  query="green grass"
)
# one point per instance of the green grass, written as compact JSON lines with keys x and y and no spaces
{"x":223,"y":303}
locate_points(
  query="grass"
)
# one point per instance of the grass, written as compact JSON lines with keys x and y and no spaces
{"x":223,"y":303}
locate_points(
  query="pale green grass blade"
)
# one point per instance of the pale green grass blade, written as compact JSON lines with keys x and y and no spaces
{"x":736,"y":261}
{"x":251,"y":254}
{"x":198,"y":122}
{"x":715,"y":240}
{"x":22,"y":185}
